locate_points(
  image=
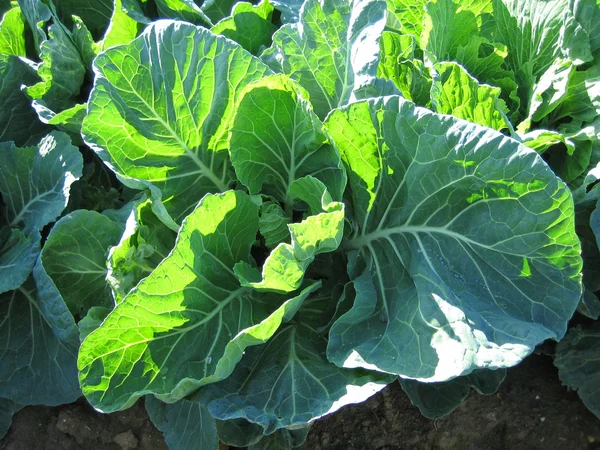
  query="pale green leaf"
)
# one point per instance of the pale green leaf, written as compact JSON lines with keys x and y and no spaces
{"x":186,"y":10}
{"x":541,"y":140}
{"x":161,"y":107}
{"x":409,"y":14}
{"x":465,"y":254}
{"x":581,"y":101}
{"x":407,"y":73}
{"x":62,"y":71}
{"x":69,"y":120}
{"x":536,"y":33}
{"x":121,"y":29}
{"x":550,"y":90}
{"x":144,"y":244}
{"x":484,"y":60}
{"x":84,"y":42}
{"x":456,"y":92}
{"x":12,"y":33}
{"x":320,"y":232}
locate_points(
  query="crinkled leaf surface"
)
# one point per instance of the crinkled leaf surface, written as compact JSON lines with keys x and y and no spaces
{"x":409,"y":14}
{"x":465,"y":255}
{"x":144,"y":244}
{"x":550,"y":90}
{"x":35,"y":181}
{"x":398,"y":64}
{"x":273,"y":223}
{"x":188,"y":323}
{"x":62,"y":71}
{"x":333,"y":51}
{"x":582,"y":97}
{"x":161,"y":106}
{"x":436,"y":400}
{"x":578,"y":362}
{"x":187,"y":425}
{"x":288,"y":381}
{"x":456,"y":92}
{"x":535,"y":33}
{"x":276,"y":138}
{"x":38,"y":363}
{"x":74,"y":256}
{"x":541,"y":140}
{"x":321,"y":232}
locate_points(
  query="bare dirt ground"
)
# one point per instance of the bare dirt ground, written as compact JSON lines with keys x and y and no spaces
{"x":531,"y":411}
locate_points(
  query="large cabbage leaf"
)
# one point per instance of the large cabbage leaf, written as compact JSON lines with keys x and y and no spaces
{"x":465,"y":254}
{"x":160,"y":110}
{"x":189,"y":322}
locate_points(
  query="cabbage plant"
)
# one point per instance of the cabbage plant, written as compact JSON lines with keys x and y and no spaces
{"x":254,"y":214}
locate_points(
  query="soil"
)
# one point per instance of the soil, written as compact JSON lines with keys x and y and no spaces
{"x":531,"y":411}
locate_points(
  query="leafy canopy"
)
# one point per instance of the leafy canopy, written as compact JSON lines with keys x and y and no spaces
{"x":255,"y":213}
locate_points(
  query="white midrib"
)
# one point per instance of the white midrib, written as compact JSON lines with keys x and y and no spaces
{"x":207,"y":172}
{"x":25,"y":209}
{"x":366,"y":239}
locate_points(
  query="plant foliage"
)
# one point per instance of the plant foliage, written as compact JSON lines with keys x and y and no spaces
{"x":254,"y":214}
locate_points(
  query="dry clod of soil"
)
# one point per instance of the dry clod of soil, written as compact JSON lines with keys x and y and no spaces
{"x":127,"y":440}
